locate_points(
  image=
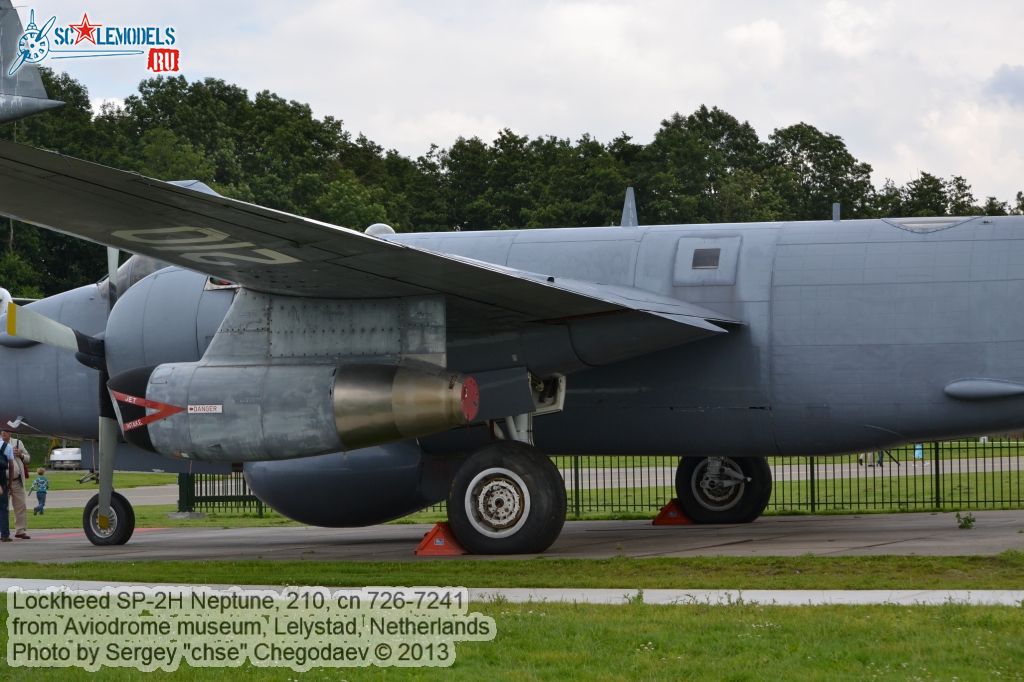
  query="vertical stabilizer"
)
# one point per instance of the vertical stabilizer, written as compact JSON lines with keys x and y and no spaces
{"x":21,"y":89}
{"x":629,"y":210}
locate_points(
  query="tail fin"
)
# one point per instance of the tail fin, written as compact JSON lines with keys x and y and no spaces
{"x":21,"y":89}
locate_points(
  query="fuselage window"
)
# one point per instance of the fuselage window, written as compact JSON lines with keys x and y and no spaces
{"x":706,"y":259}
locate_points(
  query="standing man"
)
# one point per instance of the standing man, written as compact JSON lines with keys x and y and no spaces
{"x":5,"y":521}
{"x":18,"y":457}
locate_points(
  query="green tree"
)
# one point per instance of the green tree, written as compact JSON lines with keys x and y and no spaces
{"x":812,"y":169}
{"x":164,"y":155}
{"x":925,"y":196}
{"x":347,"y":202}
{"x":993,"y":206}
{"x":960,"y":199}
{"x":465,"y":166}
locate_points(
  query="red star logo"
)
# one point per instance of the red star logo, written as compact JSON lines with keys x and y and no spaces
{"x":85,"y":30}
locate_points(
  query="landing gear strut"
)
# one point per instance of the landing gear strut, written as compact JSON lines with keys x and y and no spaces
{"x":108,"y":518}
{"x":723,"y":489}
{"x":507,"y":498}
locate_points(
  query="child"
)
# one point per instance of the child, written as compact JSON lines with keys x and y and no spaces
{"x":40,"y":486}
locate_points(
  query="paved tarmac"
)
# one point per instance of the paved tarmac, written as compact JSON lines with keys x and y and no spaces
{"x":870,"y":534}
{"x":146,"y":494}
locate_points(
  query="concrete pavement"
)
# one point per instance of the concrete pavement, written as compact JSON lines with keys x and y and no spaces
{"x":870,"y":534}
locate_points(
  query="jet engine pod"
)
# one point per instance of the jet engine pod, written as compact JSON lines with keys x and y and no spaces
{"x":240,"y":413}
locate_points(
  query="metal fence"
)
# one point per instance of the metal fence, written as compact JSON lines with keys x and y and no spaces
{"x":221,"y":493}
{"x":963,"y":474}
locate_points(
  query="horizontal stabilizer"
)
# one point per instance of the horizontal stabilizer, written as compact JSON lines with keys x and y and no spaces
{"x":13,"y":107}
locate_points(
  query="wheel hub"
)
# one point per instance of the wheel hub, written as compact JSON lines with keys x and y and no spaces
{"x":97,"y":523}
{"x":497,"y":502}
{"x":718,"y":483}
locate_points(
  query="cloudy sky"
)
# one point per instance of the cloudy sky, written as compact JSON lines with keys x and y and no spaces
{"x":935,"y":86}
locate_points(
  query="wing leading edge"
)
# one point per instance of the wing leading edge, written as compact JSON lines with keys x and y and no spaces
{"x":276,"y":252}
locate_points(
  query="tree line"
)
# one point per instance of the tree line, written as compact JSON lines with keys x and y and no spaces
{"x":706,"y":166}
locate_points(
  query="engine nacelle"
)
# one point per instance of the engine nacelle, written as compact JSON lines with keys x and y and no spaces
{"x":358,"y":488}
{"x":240,"y":413}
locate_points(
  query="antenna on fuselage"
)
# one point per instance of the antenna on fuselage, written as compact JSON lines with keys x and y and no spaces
{"x":629,"y":218}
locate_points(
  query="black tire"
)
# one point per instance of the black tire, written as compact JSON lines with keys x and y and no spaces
{"x":507,"y":498}
{"x":707,"y":498}
{"x":123,"y":522}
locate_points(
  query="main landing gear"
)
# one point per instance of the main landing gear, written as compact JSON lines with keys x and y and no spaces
{"x":507,"y":498}
{"x":723,"y":489}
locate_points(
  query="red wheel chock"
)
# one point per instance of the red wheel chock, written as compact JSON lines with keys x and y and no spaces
{"x":440,"y":541}
{"x":671,"y":515}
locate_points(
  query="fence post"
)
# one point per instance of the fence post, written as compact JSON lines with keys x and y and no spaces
{"x":813,"y":491}
{"x":576,"y":481}
{"x":185,"y":503}
{"x":937,"y":471}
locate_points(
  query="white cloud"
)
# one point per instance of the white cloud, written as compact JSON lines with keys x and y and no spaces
{"x":852,"y":30}
{"x":761,"y":43}
{"x":907,"y":85}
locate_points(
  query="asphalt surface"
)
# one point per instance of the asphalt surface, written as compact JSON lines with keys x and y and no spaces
{"x":146,"y":494}
{"x":871,"y":534}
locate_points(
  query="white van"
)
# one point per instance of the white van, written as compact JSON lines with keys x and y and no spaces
{"x":66,"y":458}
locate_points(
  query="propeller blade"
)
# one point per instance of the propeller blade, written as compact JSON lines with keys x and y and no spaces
{"x":28,"y":324}
{"x":18,"y":62}
{"x":46,"y":28}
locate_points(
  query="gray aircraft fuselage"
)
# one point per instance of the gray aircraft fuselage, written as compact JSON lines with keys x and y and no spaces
{"x":851,"y":333}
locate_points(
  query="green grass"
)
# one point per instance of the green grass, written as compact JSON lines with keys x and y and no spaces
{"x":643,"y":642}
{"x":1003,"y":571}
{"x":892,"y":491}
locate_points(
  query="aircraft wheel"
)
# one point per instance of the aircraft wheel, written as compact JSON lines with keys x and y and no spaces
{"x":723,"y":489}
{"x":122,"y":523}
{"x":507,"y":498}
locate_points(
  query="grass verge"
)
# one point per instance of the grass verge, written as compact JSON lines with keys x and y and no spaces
{"x":636,"y":641}
{"x":1003,"y":571}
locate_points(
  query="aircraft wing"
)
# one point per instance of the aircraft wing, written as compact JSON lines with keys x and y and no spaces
{"x":276,"y":252}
